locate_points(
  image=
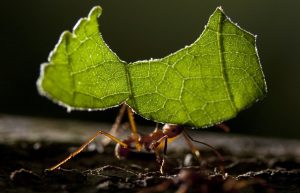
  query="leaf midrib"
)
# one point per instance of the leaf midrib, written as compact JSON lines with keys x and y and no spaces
{"x":222,"y":61}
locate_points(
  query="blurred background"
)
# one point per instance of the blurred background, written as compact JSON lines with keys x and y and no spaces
{"x":143,"y":29}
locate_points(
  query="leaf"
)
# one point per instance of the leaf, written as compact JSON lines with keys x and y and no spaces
{"x":83,"y":72}
{"x":202,"y":84}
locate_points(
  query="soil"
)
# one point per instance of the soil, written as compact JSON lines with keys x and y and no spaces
{"x":250,"y":164}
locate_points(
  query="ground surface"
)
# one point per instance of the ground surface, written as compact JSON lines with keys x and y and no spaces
{"x":28,"y":146}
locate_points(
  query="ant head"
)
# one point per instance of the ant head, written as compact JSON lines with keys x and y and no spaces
{"x":172,"y":130}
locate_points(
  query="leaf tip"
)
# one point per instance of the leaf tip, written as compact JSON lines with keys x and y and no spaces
{"x":219,"y":8}
{"x":65,"y":34}
{"x":95,"y":12}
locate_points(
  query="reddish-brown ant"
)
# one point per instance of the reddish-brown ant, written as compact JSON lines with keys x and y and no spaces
{"x":135,"y":142}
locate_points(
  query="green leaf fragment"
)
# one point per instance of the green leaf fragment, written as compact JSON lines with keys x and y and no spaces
{"x":82,"y":71}
{"x":202,"y":84}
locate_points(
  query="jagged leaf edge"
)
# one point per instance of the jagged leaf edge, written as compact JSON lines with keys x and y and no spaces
{"x":95,"y":12}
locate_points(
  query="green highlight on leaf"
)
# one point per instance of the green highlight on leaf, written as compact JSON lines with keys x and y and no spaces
{"x":202,"y":84}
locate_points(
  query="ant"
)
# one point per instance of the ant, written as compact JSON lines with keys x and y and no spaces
{"x":151,"y":142}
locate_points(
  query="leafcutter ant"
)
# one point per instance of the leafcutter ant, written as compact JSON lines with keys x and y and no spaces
{"x":136,"y":142}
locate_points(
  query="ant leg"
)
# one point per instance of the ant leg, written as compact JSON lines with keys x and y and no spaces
{"x":154,"y":147}
{"x":87,"y":143}
{"x":165,"y":146}
{"x":133,"y":128}
{"x":194,"y":150}
{"x":116,"y":124}
{"x":211,"y":147}
{"x":162,"y":160}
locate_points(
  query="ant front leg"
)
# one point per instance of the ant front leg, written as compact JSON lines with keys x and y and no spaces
{"x":86,"y":144}
{"x":169,"y":131}
{"x":155,"y":147}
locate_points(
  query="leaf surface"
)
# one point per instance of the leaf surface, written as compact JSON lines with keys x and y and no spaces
{"x":200,"y":85}
{"x":82,"y":72}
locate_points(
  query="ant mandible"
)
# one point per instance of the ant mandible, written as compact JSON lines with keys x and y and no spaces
{"x":150,"y":142}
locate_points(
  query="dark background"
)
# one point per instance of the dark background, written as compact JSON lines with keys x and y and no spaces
{"x":143,"y":29}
